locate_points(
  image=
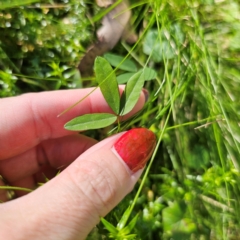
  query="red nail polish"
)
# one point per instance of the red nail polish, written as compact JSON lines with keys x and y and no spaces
{"x":135,"y":147}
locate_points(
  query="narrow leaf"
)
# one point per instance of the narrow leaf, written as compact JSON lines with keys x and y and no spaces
{"x":15,"y":188}
{"x":130,"y":226}
{"x":118,"y":61}
{"x":124,"y":218}
{"x":107,"y":81}
{"x":124,"y":78}
{"x":109,"y":226}
{"x":130,"y":236}
{"x":15,"y":3}
{"x":132,"y":92}
{"x":90,"y":121}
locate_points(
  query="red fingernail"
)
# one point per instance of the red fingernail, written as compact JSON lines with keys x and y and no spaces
{"x":135,"y":147}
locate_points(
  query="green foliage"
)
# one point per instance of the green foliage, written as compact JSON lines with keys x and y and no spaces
{"x":7,"y":83}
{"x":37,"y":36}
{"x":107,"y":81}
{"x":148,"y":74}
{"x":121,"y":231}
{"x":15,"y":3}
{"x":163,"y":44}
{"x":90,"y":121}
{"x":124,"y":78}
{"x":121,"y":62}
{"x":177,"y":222}
{"x":191,"y":50}
{"x":132,"y":92}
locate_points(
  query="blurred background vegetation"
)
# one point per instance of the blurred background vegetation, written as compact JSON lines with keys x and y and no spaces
{"x":41,"y":44}
{"x":192,"y":189}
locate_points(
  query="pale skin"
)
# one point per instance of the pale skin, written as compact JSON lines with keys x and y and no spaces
{"x":32,"y":142}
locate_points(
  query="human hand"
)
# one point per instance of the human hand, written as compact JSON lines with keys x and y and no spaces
{"x":34,"y":144}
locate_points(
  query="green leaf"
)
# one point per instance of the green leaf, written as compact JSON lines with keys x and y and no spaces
{"x":177,"y":221}
{"x":197,"y":152}
{"x":130,"y":236}
{"x":149,"y":74}
{"x":90,"y":121}
{"x":158,"y":46}
{"x":130,"y":226}
{"x":124,"y":78}
{"x":107,"y":81}
{"x":124,"y":219}
{"x":15,"y":3}
{"x":109,"y":226}
{"x":173,"y":215}
{"x":115,"y":60}
{"x":163,"y":111}
{"x":132,"y":92}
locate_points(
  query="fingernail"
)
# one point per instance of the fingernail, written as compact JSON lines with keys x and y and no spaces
{"x":135,"y":147}
{"x":146,"y":94}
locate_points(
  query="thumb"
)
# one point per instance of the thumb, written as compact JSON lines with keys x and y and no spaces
{"x":71,"y":204}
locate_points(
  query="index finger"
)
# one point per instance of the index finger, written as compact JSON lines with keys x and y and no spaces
{"x":28,"y":119}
